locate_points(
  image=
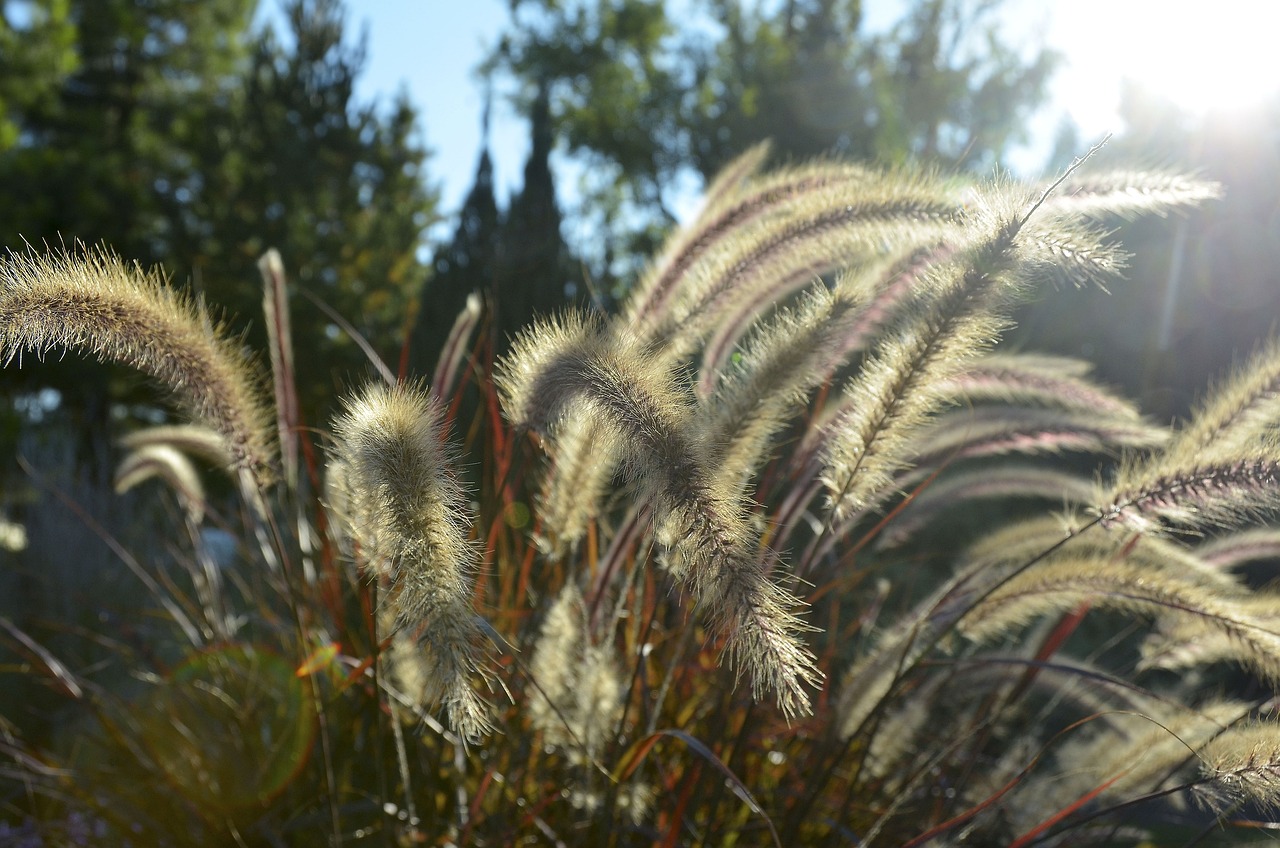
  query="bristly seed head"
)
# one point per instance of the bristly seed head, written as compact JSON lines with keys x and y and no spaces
{"x":92,"y":302}
{"x":406,"y":510}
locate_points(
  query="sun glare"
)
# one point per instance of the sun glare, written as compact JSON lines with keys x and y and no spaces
{"x":1203,"y":57}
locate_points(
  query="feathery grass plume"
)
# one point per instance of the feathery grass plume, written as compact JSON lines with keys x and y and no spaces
{"x":192,"y":439}
{"x":1062,"y":583}
{"x":731,"y":317}
{"x":1127,"y":755}
{"x":1024,"y":541}
{"x":573,"y":368}
{"x":1047,"y":381}
{"x":731,"y":178}
{"x":1242,"y":763}
{"x":577,"y":703}
{"x":1128,"y":193}
{"x":879,"y":287}
{"x":408,"y":514}
{"x":731,"y":209}
{"x":404,"y":663}
{"x":1021,"y":541}
{"x":94,"y":303}
{"x":991,"y":576}
{"x":578,"y":478}
{"x":1233,"y":550}
{"x":340,"y":507}
{"x":1007,"y":481}
{"x":994,"y":431}
{"x":454,"y":349}
{"x":1220,"y":466}
{"x":1238,"y":413}
{"x":556,"y":668}
{"x":169,"y":465}
{"x":897,"y":737}
{"x":1077,"y":257}
{"x":828,"y":229}
{"x":872,"y":677}
{"x":778,"y":233}
{"x":1199,"y":495}
{"x":1179,"y":643}
{"x":961,"y":311}
{"x":584,"y":454}
{"x":894,"y":392}
{"x":784,"y":361}
{"x":275,"y":311}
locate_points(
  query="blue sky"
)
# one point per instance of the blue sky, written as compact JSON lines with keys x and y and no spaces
{"x":1204,"y":55}
{"x":431,"y":47}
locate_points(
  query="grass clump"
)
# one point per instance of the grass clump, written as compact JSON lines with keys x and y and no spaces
{"x":504,"y":603}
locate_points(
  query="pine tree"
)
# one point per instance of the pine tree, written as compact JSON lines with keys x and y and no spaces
{"x":467,"y":264}
{"x":185,"y":138}
{"x":534,"y":278}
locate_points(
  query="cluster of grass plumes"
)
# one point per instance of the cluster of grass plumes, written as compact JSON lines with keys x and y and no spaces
{"x":971,"y":590}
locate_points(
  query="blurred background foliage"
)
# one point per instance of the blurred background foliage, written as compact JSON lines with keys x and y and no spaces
{"x":196,"y":135}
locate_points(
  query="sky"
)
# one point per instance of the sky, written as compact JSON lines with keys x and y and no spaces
{"x":1203,"y":55}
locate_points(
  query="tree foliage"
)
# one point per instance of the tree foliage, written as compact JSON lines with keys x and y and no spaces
{"x":184,"y":137}
{"x":517,"y":258}
{"x":652,"y":93}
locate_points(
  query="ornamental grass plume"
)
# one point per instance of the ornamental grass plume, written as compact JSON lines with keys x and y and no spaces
{"x":571,"y":368}
{"x":1242,"y":764}
{"x":576,"y":700}
{"x":406,"y":511}
{"x":91,"y":301}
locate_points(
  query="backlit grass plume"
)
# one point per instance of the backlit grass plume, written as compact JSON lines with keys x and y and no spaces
{"x":573,"y":367}
{"x":407,"y":512}
{"x":93,"y":302}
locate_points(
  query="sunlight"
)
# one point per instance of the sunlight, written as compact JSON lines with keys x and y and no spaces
{"x":1204,"y":58}
{"x":1219,"y":60}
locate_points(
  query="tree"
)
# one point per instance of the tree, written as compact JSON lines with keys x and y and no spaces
{"x":517,"y":259}
{"x":37,"y":53}
{"x":534,"y":269}
{"x":468,"y":263}
{"x":651,"y":105}
{"x":296,"y":163}
{"x":185,"y":138}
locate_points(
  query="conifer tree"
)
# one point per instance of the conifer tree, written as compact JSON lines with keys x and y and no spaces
{"x":467,"y":264}
{"x":534,"y":274}
{"x":185,"y":138}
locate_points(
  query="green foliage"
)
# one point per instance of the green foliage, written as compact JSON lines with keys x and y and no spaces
{"x":36,"y":55}
{"x":646,"y":91}
{"x":337,"y":186}
{"x":177,"y":134}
